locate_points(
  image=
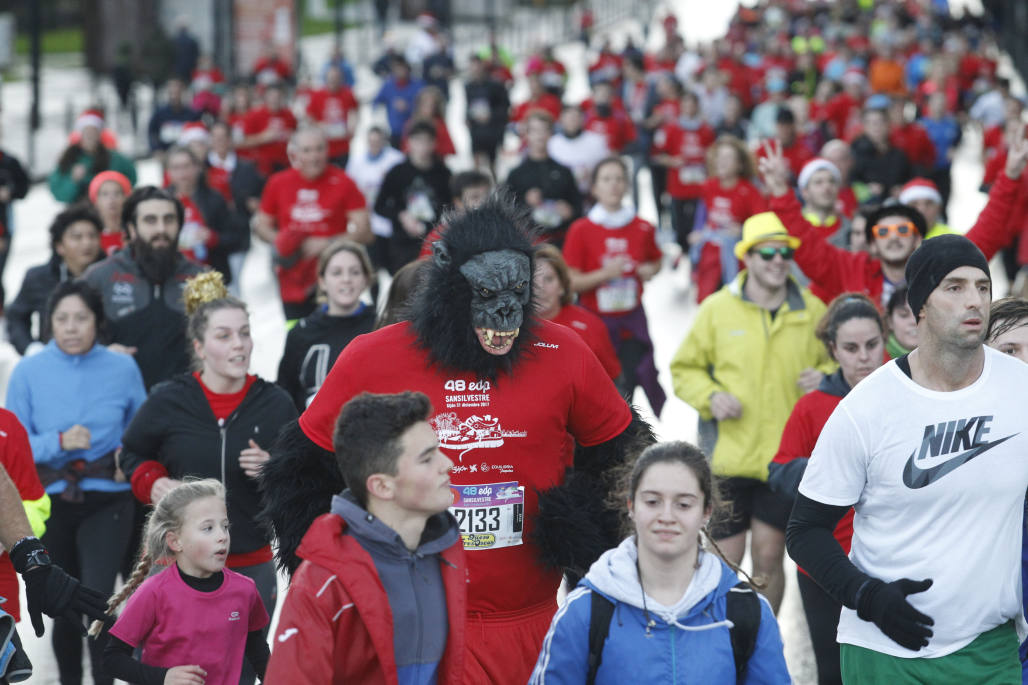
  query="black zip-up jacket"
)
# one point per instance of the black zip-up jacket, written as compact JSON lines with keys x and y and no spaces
{"x":176,"y":427}
{"x":145,"y":315}
{"x":31,"y":299}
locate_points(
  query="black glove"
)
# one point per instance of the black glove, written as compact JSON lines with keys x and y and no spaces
{"x":51,"y":591}
{"x":886,"y":605}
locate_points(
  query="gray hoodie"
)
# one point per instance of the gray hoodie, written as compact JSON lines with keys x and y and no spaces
{"x":412,"y":581}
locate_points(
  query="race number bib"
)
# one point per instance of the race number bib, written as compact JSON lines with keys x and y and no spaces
{"x":692,"y":174}
{"x":490,"y":516}
{"x":619,"y":295}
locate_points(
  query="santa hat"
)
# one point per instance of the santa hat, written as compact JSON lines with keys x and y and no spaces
{"x":919,"y":189}
{"x":192,"y":132}
{"x":91,"y":117}
{"x":854,"y":75}
{"x":812,"y":167}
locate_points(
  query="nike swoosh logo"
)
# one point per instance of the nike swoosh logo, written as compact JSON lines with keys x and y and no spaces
{"x":915,"y":477}
{"x":287,"y":634}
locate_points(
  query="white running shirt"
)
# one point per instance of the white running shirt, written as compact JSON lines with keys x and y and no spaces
{"x":938,"y":483}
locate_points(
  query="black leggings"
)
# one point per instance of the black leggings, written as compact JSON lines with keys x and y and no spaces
{"x":87,"y":540}
{"x":823,"y":622}
{"x":683,"y":216}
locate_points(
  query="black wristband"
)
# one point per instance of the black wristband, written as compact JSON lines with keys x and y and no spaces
{"x":29,"y":553}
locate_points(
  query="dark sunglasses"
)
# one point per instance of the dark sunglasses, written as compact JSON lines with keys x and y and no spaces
{"x":903,"y":228}
{"x":768,"y":253}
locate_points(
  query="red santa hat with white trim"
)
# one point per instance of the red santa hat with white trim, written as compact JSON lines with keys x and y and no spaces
{"x":919,"y":189}
{"x":90,"y":117}
{"x":192,"y":132}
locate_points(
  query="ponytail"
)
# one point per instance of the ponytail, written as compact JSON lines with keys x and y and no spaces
{"x":139,"y":574}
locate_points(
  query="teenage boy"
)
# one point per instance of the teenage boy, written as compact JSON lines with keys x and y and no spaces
{"x":387,"y":556}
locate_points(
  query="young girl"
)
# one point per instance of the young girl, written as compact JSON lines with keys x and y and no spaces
{"x":312,"y":345}
{"x":670,"y":620}
{"x":729,"y":198}
{"x":854,"y":335}
{"x":610,"y":253}
{"x":195,"y":620}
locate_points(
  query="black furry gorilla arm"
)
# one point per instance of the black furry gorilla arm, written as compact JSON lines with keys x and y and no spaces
{"x":297,"y":485}
{"x":576,"y":522}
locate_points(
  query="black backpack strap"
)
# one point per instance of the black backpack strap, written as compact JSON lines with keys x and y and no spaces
{"x":742,"y":608}
{"x":599,"y":625}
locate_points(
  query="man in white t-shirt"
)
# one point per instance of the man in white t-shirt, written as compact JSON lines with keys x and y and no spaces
{"x":931,"y":451}
{"x":367,"y":170}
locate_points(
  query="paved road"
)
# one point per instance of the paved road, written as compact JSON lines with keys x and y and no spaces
{"x":667,"y":299}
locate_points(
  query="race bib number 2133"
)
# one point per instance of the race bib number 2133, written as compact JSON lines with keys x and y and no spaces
{"x":490,"y":516}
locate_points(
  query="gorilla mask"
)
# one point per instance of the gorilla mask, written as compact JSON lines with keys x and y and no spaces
{"x":499,"y":292}
{"x":473,"y":312}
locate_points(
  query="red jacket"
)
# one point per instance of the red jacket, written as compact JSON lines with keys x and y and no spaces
{"x":833,"y":270}
{"x":802,"y":430}
{"x":336,"y":625}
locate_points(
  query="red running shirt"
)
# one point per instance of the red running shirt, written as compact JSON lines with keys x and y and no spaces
{"x":304,"y":208}
{"x":269,"y":155}
{"x":594,"y":332}
{"x":685,"y":181}
{"x":589,"y":246}
{"x":331,"y":111}
{"x":514,"y":432}
{"x":16,"y":457}
{"x":801,"y":432}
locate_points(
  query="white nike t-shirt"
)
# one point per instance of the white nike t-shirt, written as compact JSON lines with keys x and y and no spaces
{"x":938,"y":483}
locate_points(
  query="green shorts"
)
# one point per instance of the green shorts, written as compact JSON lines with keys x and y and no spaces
{"x":991,"y":659}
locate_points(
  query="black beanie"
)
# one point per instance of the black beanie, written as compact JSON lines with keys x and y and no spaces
{"x":895,"y":209}
{"x":933,"y":261}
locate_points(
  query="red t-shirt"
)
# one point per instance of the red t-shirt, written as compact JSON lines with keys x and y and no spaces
{"x":224,"y":403}
{"x":112,"y":242}
{"x":270,"y":156}
{"x":685,"y":181}
{"x":219,"y":179}
{"x":192,"y":223}
{"x":304,"y":208}
{"x":617,"y":128}
{"x":801,"y":432}
{"x":16,"y":457}
{"x":331,"y":111}
{"x":913,"y":140}
{"x":594,"y":332}
{"x":547,"y":102}
{"x":514,"y":432}
{"x":589,"y":246}
{"x":731,"y":205}
{"x":797,"y":154}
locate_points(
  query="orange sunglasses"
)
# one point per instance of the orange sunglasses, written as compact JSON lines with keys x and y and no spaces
{"x":901,"y":229}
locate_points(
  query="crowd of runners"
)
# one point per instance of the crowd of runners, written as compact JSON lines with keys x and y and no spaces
{"x":851,"y":363}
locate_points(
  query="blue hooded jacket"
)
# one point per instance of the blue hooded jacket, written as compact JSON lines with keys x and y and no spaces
{"x":689,"y":642}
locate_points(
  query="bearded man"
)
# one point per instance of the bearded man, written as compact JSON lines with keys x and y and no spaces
{"x":142,"y":285}
{"x":512,"y":395}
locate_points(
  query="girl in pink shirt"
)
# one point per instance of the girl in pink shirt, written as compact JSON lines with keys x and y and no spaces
{"x":196,"y":620}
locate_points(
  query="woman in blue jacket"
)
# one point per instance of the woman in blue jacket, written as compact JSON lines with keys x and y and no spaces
{"x":670,"y":620}
{"x":75,"y":398}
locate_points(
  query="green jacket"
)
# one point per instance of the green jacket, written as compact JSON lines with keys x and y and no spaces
{"x":736,"y":346}
{"x":66,"y":189}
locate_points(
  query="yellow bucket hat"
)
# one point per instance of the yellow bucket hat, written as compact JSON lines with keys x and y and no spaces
{"x":761,"y":228}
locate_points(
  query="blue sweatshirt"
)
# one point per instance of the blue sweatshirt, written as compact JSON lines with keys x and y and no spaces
{"x":398,"y":101}
{"x":52,"y":391}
